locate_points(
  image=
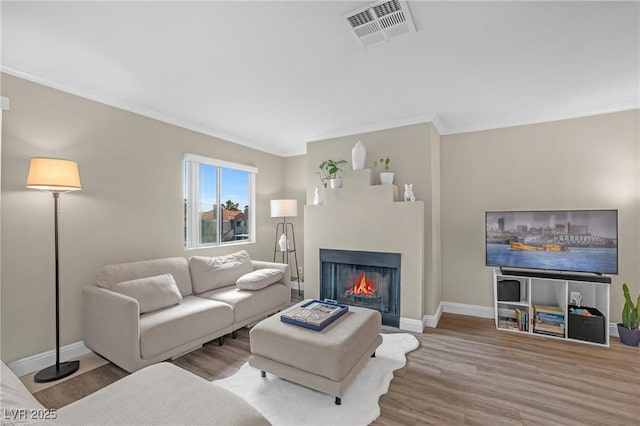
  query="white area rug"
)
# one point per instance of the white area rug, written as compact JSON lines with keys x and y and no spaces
{"x":286,"y":403}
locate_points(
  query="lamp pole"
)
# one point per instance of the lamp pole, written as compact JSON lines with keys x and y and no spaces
{"x":56,"y":199}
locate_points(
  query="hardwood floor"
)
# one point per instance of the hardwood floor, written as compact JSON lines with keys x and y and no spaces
{"x":464,"y":372}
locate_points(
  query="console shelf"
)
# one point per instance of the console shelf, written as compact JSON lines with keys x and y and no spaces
{"x":539,"y":304}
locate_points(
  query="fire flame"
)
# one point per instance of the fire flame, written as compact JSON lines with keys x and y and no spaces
{"x":362,"y":287}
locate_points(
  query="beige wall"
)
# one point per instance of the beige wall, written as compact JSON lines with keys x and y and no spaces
{"x":433,"y":265}
{"x":414,"y":153}
{"x":130,"y":207}
{"x":295,"y":187}
{"x":584,"y":163}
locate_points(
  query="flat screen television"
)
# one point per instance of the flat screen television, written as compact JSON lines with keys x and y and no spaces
{"x":561,"y":240}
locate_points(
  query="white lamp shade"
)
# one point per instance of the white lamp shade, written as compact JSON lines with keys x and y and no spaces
{"x":284,"y":208}
{"x":54,"y":175}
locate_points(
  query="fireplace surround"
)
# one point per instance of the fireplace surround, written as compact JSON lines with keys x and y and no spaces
{"x":362,"y":216}
{"x":362,"y":278}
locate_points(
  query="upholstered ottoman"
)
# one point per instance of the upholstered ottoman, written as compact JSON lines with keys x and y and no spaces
{"x":326,"y":360}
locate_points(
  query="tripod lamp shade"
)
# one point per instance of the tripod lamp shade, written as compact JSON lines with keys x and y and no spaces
{"x":284,"y":208}
{"x":54,"y":175}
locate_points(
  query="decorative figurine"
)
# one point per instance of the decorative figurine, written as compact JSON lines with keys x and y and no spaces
{"x":408,"y":192}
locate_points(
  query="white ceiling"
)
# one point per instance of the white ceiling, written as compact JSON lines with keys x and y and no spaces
{"x":274,"y":75}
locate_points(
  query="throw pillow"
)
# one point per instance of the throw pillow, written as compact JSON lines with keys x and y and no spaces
{"x":152,"y":293}
{"x":259,"y":278}
{"x":209,"y":273}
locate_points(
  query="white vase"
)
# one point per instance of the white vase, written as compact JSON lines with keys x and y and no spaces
{"x":282,"y":242}
{"x":336,"y":183}
{"x":358,"y":156}
{"x":317,"y":197}
{"x":386,"y":178}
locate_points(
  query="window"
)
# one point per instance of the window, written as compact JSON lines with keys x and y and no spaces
{"x":213,"y":190}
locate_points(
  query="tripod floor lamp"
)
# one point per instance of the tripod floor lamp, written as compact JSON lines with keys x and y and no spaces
{"x":285,"y":209}
{"x":55,"y":176}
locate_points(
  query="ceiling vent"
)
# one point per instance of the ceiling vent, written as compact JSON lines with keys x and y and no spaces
{"x":379,"y":22}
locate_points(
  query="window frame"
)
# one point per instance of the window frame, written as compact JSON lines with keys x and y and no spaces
{"x":192,"y":184}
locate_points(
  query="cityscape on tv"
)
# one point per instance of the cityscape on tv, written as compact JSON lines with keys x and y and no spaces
{"x":567,"y":240}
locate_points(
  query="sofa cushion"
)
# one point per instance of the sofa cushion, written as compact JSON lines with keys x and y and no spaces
{"x":169,"y":328}
{"x":111,"y":275}
{"x":255,"y":280}
{"x":248,"y":304}
{"x":152,"y":293}
{"x":209,"y":273}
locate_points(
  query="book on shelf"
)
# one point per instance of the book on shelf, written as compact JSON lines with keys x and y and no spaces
{"x":550,"y":318}
{"x":549,"y":329}
{"x":557,"y":328}
{"x":522,"y":319}
{"x":554,"y":310}
{"x":508,"y":323}
{"x":546,"y":333}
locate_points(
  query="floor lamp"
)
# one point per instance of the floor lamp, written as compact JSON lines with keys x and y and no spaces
{"x":55,"y":176}
{"x":285,"y":209}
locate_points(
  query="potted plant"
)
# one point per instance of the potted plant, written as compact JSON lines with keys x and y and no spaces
{"x":628,"y":329}
{"x":386,"y":177}
{"x":329,"y":170}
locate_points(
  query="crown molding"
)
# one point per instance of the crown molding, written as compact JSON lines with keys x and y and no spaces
{"x":438,"y":124}
{"x":136,"y":109}
{"x":605,"y":109}
{"x":373,"y":127}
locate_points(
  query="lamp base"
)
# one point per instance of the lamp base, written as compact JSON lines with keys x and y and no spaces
{"x":51,"y":374}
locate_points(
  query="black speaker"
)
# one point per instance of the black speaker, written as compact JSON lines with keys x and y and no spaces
{"x":508,"y":291}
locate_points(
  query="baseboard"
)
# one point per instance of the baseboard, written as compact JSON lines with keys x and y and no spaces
{"x":33,"y":363}
{"x":431,"y":321}
{"x":411,"y":324}
{"x":469,"y":310}
{"x":613,"y":330}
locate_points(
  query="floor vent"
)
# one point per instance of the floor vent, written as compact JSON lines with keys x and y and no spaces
{"x":379,"y":22}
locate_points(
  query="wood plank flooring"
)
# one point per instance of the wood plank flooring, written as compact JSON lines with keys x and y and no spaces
{"x":465,"y":372}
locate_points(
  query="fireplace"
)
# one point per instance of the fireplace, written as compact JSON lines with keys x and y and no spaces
{"x":362,"y":278}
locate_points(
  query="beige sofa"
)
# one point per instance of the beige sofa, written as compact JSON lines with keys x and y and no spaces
{"x":161,"y":394}
{"x":141,"y":313}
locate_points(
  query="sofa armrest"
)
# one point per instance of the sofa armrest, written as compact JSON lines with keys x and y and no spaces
{"x":111,"y":326}
{"x":286,"y":270}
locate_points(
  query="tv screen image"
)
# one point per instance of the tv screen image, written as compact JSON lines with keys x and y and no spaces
{"x":562,"y":240}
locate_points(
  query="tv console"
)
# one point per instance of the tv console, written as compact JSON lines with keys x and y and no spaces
{"x":526,"y":293}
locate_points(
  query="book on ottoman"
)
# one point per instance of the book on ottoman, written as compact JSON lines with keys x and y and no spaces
{"x":314,"y":315}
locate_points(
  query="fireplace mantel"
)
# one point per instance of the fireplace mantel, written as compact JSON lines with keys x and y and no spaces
{"x":365,"y":217}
